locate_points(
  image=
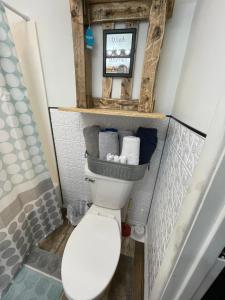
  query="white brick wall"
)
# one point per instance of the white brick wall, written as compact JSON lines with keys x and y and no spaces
{"x":180,"y":156}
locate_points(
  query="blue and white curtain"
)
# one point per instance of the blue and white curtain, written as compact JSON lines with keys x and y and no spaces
{"x":29,"y":209}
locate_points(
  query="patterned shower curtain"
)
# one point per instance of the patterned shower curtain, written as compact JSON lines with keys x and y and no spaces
{"x":29,"y":209}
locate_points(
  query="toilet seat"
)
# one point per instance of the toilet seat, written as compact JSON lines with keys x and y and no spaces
{"x":91,"y":257}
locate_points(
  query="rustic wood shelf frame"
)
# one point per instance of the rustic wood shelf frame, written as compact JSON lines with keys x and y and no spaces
{"x":113,"y":112}
{"x":107,"y":13}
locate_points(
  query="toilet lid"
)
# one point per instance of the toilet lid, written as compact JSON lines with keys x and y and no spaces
{"x":90,"y":257}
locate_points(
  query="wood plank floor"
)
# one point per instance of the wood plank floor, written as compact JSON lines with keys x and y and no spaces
{"x":127,"y":283}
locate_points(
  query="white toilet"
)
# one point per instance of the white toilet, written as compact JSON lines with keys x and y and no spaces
{"x":93,"y":249}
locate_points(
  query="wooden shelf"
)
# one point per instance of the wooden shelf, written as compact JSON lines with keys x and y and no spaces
{"x":112,"y":112}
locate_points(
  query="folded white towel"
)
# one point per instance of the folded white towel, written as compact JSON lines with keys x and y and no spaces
{"x":131,"y":149}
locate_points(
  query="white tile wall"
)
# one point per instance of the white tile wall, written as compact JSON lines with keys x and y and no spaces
{"x":70,"y":148}
{"x":180,"y":156}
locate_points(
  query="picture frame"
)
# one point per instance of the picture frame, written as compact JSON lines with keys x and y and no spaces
{"x":118,"y":52}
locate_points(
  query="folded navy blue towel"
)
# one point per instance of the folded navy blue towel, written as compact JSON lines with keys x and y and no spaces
{"x":109,"y":129}
{"x":148,"y":137}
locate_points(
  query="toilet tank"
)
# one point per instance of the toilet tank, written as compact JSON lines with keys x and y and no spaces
{"x":108,"y":192}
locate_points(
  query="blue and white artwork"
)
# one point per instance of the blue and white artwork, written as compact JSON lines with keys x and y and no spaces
{"x":119,"y":52}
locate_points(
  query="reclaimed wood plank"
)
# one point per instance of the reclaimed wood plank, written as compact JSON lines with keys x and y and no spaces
{"x":88,"y":77}
{"x":128,"y":246}
{"x":121,"y":284}
{"x":107,"y":81}
{"x":127,"y":83}
{"x":170,"y":7}
{"x":106,"y":1}
{"x":76,"y":7}
{"x":113,"y":112}
{"x":138,"y":272}
{"x":126,"y":88}
{"x":55,"y":239}
{"x":62,"y":246}
{"x":108,"y":103}
{"x":157,"y":20}
{"x":120,"y":11}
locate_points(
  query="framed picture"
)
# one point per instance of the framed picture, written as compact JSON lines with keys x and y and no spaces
{"x":118,"y":52}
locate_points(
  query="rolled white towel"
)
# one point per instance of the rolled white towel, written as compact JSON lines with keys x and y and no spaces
{"x":116,"y":158}
{"x":131,"y":149}
{"x":122,"y":134}
{"x":109,"y":157}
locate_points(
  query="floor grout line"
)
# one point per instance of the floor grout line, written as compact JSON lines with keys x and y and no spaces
{"x":43,"y":273}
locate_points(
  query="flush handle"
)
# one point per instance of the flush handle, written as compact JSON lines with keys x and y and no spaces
{"x":89,"y":180}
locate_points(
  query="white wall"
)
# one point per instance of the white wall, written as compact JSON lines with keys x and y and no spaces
{"x":55,"y":38}
{"x":172,"y":54}
{"x":202,"y":77}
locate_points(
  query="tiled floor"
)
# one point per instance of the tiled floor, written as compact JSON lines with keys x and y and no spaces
{"x":127,"y":283}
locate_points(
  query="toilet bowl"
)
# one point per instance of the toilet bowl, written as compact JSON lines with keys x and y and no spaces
{"x":92,"y":252}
